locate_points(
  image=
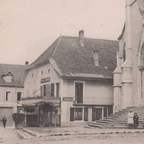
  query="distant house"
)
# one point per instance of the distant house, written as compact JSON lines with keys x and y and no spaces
{"x":11,"y":90}
{"x":71,"y":81}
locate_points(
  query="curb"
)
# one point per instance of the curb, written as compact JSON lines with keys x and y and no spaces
{"x":32,"y":133}
{"x":94,"y":133}
{"x":23,"y":135}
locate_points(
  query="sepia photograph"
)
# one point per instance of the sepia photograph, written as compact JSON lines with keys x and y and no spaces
{"x":71,"y":71}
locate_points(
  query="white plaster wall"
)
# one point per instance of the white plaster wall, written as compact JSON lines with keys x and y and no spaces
{"x":94,"y":92}
{"x":98,"y":93}
{"x":68,"y":88}
{"x":65,"y":112}
{"x":13,"y":94}
{"x":32,"y":82}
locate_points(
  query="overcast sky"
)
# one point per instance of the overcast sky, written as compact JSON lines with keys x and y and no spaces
{"x":28,"y":27}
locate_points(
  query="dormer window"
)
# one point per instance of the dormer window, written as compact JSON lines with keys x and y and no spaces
{"x":96,"y":58}
{"x":8,"y":78}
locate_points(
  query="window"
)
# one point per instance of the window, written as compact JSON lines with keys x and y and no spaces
{"x":52,"y":89}
{"x":79,"y":92}
{"x":7,"y":95}
{"x":45,"y":90}
{"x":19,"y":94}
{"x":57,"y":89}
{"x":76,"y":114}
{"x":96,"y":114}
{"x":110,"y":110}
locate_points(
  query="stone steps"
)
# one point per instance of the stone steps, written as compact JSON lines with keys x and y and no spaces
{"x":119,"y":119}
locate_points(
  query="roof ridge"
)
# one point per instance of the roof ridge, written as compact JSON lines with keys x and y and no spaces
{"x":104,"y":39}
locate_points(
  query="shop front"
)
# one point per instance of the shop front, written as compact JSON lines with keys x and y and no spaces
{"x":42,"y":113}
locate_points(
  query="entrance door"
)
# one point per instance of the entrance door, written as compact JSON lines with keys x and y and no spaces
{"x":96,"y":114}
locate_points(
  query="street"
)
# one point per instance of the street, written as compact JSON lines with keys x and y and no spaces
{"x":9,"y":136}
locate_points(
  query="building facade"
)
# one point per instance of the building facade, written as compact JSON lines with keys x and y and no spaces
{"x":128,"y":75}
{"x":71,"y":81}
{"x":11,"y":90}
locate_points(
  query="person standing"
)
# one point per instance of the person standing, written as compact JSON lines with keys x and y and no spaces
{"x":130,"y":119}
{"x":136,"y":120}
{"x":4,"y":120}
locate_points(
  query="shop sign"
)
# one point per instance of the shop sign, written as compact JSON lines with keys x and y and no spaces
{"x":44,"y":80}
{"x":69,"y":99}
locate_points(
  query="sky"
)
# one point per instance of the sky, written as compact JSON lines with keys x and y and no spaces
{"x":28,"y":27}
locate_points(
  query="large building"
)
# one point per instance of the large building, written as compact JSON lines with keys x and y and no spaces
{"x":129,"y":74}
{"x":11,"y":90}
{"x":71,"y":81}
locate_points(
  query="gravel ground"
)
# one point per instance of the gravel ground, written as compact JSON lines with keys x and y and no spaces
{"x":135,"y":138}
{"x":9,"y":136}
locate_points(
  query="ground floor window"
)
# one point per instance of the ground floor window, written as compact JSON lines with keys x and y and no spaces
{"x":99,"y":113}
{"x":76,"y":114}
{"x":96,"y":114}
{"x":90,"y":113}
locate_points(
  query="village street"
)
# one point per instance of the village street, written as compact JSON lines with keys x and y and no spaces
{"x":9,"y":136}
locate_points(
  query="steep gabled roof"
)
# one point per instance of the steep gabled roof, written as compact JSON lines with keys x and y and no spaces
{"x":72,"y":58}
{"x":16,"y":71}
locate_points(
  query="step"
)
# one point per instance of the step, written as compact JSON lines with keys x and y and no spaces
{"x":23,"y":134}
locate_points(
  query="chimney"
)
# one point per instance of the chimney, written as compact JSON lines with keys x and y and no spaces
{"x":81,"y":38}
{"x":26,"y":63}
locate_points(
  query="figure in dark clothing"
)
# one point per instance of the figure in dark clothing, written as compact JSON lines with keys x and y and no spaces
{"x":4,"y":120}
{"x":136,"y":120}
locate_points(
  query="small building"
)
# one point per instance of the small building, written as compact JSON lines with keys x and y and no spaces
{"x":71,"y":81}
{"x":11,"y":90}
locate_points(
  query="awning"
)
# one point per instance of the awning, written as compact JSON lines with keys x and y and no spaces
{"x":30,"y":102}
{"x":34,"y":102}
